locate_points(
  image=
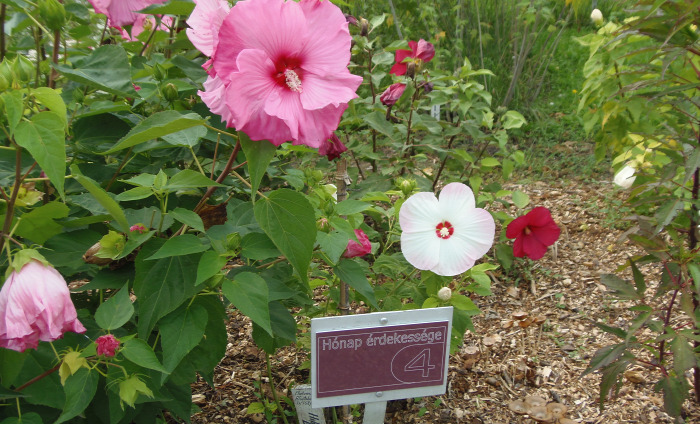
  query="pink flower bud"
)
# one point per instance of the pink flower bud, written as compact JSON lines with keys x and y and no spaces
{"x":332,"y":148}
{"x":107,"y":345}
{"x":138,"y":228}
{"x":355,"y":249}
{"x":392,"y":94}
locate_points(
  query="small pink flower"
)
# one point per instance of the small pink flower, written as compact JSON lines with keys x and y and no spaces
{"x":392,"y":94}
{"x":284,"y":80}
{"x":145,"y":23}
{"x":420,"y":52}
{"x":122,"y":12}
{"x":138,"y":227}
{"x":35,"y":305}
{"x":332,"y":148}
{"x":533,"y":233}
{"x":448,"y":235}
{"x":360,"y":247}
{"x":107,"y":345}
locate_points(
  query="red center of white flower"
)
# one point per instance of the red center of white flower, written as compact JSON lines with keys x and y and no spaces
{"x":288,"y":74}
{"x":444,"y":230}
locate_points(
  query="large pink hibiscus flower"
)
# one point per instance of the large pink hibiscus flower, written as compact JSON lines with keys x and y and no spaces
{"x":278,"y":68}
{"x":122,"y":12}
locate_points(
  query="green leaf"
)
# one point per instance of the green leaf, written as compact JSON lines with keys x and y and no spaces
{"x":140,"y":353}
{"x":174,"y":7}
{"x":39,"y":225}
{"x":14,"y":108}
{"x":188,"y":137}
{"x":185,"y":244}
{"x":102,"y":197}
{"x":333,"y":244}
{"x":354,"y":275}
{"x":135,"y":240}
{"x":157,"y":125}
{"x":620,"y":288}
{"x":255,"y":408}
{"x":107,"y":68}
{"x":611,"y":379}
{"x":666,"y":212}
{"x":249,"y":293}
{"x":188,"y":218}
{"x":11,"y":363}
{"x":212,"y":348}
{"x":181,"y":331}
{"x":188,"y":179}
{"x":349,"y":207}
{"x":513,"y":119}
{"x":638,"y":279}
{"x":27,"y":418}
{"x":283,"y":327}
{"x":490,"y":162}
{"x":520,"y":199}
{"x":675,"y":390}
{"x":258,"y":247}
{"x":258,"y":154}
{"x":80,"y":388}
{"x":695,"y":273}
{"x":131,"y":388}
{"x":378,"y":122}
{"x":116,"y":311}
{"x":683,"y":355}
{"x":162,"y":285}
{"x":209,"y":265}
{"x":52,"y":100}
{"x":604,"y":357}
{"x":136,"y":193}
{"x":44,"y":137}
{"x":289,"y":220}
{"x":619,"y":332}
{"x":463,"y":303}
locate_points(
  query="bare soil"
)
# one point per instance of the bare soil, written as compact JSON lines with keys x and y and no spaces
{"x":501,"y":362}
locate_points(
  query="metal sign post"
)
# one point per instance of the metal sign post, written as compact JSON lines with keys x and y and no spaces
{"x":373,"y":358}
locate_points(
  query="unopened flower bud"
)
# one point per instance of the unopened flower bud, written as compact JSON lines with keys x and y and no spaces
{"x":107,"y":345}
{"x":158,"y":72}
{"x":53,"y":13}
{"x":170,"y":92}
{"x":138,"y":228}
{"x":444,"y":294}
{"x":597,"y":16}
{"x":323,"y":225}
{"x":406,"y":186}
{"x":22,"y":68}
{"x":364,"y":27}
{"x":233,"y":242}
{"x":351,"y":19}
{"x":392,"y":94}
{"x":317,"y":175}
{"x":428,"y":87}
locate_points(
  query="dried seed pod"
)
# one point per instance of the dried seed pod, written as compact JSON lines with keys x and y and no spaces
{"x":557,"y":409}
{"x":535,"y":401}
{"x":540,"y":414}
{"x":518,"y":406}
{"x":519,"y":315}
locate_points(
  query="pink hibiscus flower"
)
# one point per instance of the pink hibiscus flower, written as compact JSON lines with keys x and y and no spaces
{"x":284,"y":80}
{"x":448,"y":235}
{"x":533,"y":233}
{"x":122,"y":12}
{"x":35,"y":305}
{"x":107,"y":345}
{"x":360,"y":247}
{"x":420,"y":52}
{"x":392,"y":94}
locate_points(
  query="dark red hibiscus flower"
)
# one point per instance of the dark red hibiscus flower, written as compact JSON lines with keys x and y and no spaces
{"x":421,"y":52}
{"x":533,"y":233}
{"x":332,"y":148}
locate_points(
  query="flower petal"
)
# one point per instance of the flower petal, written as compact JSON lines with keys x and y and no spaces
{"x":476,"y":229}
{"x":455,"y":199}
{"x":516,"y":227}
{"x":326,"y":46}
{"x":321,"y":91}
{"x":205,"y":22}
{"x":420,"y":213}
{"x":533,"y":247}
{"x":214,"y":97}
{"x":421,"y":249}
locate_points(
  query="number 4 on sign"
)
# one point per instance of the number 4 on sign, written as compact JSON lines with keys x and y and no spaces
{"x":421,"y":362}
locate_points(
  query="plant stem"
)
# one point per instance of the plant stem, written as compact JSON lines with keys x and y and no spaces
{"x":222,"y":176}
{"x":3,"y":11}
{"x":442,"y":164}
{"x":13,"y":197}
{"x":693,"y":242}
{"x":37,"y":378}
{"x":662,"y":344}
{"x":121,"y":166}
{"x":274,"y":389}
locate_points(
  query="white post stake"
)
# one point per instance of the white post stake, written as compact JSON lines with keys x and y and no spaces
{"x":374,"y":413}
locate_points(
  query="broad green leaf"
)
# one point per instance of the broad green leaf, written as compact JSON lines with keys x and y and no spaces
{"x":107,"y":68}
{"x":188,"y":179}
{"x":683,"y":355}
{"x":513,"y":119}
{"x":14,"y":108}
{"x":695,"y":273}
{"x":185,"y":244}
{"x":209,"y":265}
{"x":39,"y":225}
{"x":611,"y":378}
{"x":463,"y":303}
{"x":11,"y":363}
{"x":619,"y":287}
{"x":249,"y":293}
{"x":157,"y":125}
{"x":333,"y":244}
{"x":354,"y":275}
{"x":619,"y":332}
{"x":181,"y":331}
{"x":604,"y":357}
{"x":667,"y":212}
{"x":258,"y":246}
{"x":638,"y":279}
{"x":288,"y":219}
{"x":131,"y":388}
{"x":490,"y":162}
{"x":212,"y":348}
{"x":188,"y":218}
{"x":44,"y":137}
{"x":135,"y":240}
{"x":116,"y":311}
{"x":140,"y":353}
{"x":162,"y":285}
{"x":136,"y":193}
{"x":520,"y":199}
{"x":349,"y":207}
{"x":174,"y":7}
{"x":80,"y":389}
{"x":188,"y":137}
{"x":283,"y":327}
{"x":675,"y":388}
{"x":52,"y":100}
{"x":255,"y":408}
{"x":258,"y":154}
{"x":378,"y":122}
{"x":27,"y":418}
{"x":102,"y":197}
